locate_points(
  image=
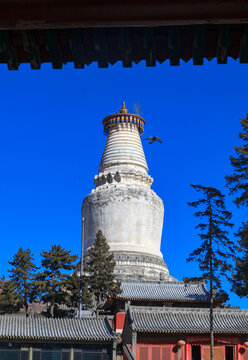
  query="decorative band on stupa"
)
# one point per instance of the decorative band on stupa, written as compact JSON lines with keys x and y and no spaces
{"x":123,"y":118}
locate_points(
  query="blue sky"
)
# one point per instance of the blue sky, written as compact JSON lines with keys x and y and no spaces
{"x":51,"y":141}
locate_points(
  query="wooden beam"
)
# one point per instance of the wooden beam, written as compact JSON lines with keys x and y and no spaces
{"x":53,"y":49}
{"x":149,"y":46}
{"x":125,"y":47}
{"x":174,"y":44}
{"x":244,"y":46}
{"x":198,"y":44}
{"x":100,"y":46}
{"x":223,"y":44}
{"x":77,"y":48}
{"x":7,"y":49}
{"x":40,"y":14}
{"x":31,"y":48}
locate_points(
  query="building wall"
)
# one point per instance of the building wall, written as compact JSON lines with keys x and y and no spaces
{"x":196,"y":348}
{"x":119,"y":321}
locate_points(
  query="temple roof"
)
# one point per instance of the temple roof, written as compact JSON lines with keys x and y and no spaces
{"x":187,"y":320}
{"x":176,"y":291}
{"x":85,"y":329}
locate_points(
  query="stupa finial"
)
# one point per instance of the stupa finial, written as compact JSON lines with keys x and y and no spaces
{"x":123,"y":109}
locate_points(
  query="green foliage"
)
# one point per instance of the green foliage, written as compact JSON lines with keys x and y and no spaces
{"x":99,"y":271}
{"x":240,"y":276}
{"x":73,"y":288}
{"x":53,"y":280}
{"x":22,"y":275}
{"x":188,"y":280}
{"x":2,"y":280}
{"x":216,"y":248}
{"x":9,"y":299}
{"x":238,"y":182}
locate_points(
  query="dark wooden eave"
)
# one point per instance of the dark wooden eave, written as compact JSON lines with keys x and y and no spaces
{"x":105,"y":46}
{"x":47,"y":14}
{"x":82,"y":32}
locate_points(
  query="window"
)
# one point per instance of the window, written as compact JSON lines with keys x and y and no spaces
{"x":155,"y":353}
{"x":51,"y":354}
{"x":166,"y":353}
{"x":9,"y":355}
{"x":24,"y":354}
{"x":143,"y":353}
{"x":92,"y":356}
{"x":13,"y":354}
{"x":83,"y":354}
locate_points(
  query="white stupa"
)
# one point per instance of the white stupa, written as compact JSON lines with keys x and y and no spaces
{"x":123,"y":205}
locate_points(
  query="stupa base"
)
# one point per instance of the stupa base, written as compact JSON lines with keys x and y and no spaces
{"x":140,"y":266}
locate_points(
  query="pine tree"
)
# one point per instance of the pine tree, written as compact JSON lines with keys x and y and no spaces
{"x":2,"y":280}
{"x":22,"y":274}
{"x":9,"y":299}
{"x":240,"y":276}
{"x":216,"y":248}
{"x":52,"y":281}
{"x":99,"y":272}
{"x":238,"y":184}
{"x":73,"y":287}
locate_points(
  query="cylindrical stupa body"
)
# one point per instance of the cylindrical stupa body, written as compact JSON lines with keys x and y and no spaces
{"x":123,"y":205}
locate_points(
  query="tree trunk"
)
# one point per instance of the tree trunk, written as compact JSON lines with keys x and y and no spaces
{"x":26,"y":310}
{"x":26,"y":305}
{"x":211,"y":288}
{"x":97,"y":302}
{"x":211,"y":322}
{"x":52,"y":309}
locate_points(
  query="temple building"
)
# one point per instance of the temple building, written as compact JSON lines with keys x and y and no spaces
{"x":40,"y":338}
{"x":168,"y":333}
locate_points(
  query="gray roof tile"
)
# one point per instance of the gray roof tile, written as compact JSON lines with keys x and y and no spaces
{"x":86,"y":329}
{"x":187,"y":320}
{"x":177,"y":291}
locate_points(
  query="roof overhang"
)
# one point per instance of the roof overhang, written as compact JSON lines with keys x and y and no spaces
{"x":62,"y":31}
{"x":48,"y":14}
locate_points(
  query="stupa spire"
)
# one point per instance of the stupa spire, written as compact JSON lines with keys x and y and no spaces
{"x":124,"y":109}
